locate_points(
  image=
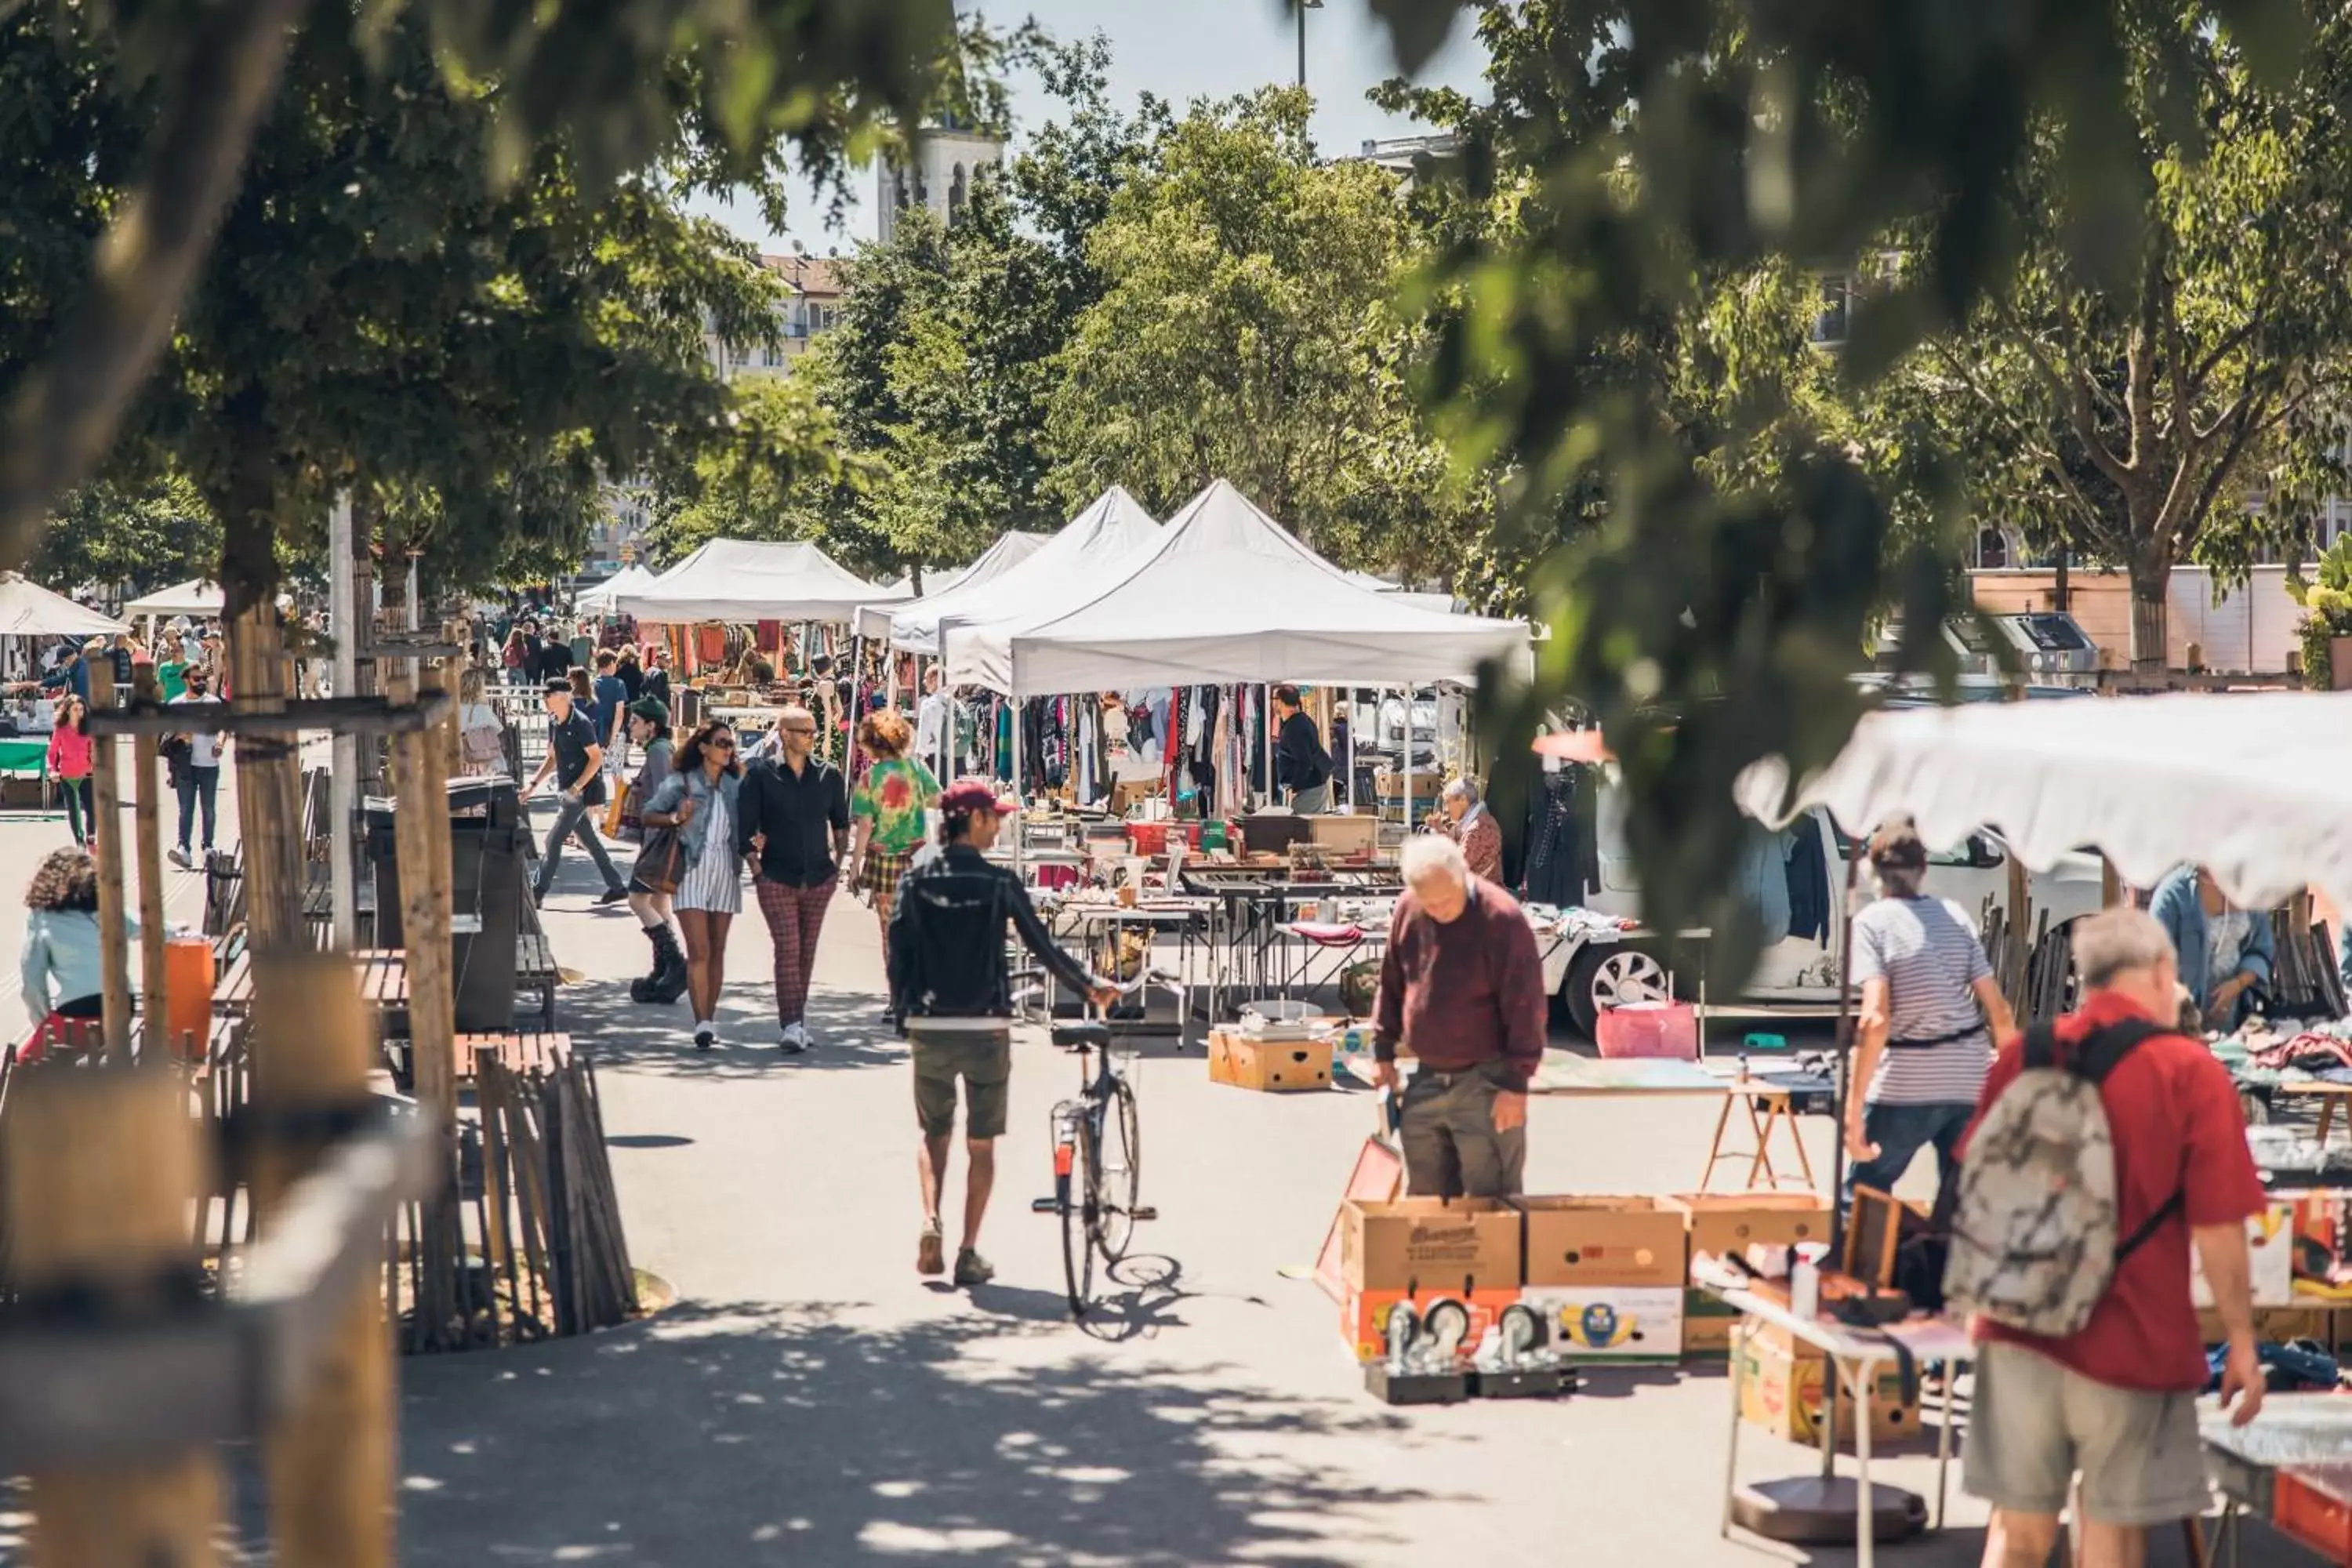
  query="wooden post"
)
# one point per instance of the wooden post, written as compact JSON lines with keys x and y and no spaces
{"x":2111,"y":885}
{"x":152,"y":1044}
{"x":330,"y":1461}
{"x":267,"y":786}
{"x":106,"y":810}
{"x":421,"y":825}
{"x":98,"y":1168}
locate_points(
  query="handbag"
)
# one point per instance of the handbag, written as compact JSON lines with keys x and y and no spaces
{"x":661,"y":860}
{"x":618,"y":817}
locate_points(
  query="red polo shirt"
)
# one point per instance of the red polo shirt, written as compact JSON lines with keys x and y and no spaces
{"x":2177,"y":1129}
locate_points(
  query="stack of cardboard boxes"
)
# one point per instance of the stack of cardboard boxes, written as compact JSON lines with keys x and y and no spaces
{"x":1611,"y":1276}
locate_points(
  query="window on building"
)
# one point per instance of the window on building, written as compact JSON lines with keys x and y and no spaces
{"x":1836,"y":315}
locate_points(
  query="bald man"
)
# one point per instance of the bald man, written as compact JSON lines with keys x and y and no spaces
{"x":794,"y":824}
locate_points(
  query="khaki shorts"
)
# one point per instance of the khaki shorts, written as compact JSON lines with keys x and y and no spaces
{"x":981,"y":1058}
{"x":2035,"y":1425}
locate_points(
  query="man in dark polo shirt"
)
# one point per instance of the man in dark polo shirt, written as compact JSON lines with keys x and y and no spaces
{"x":1462,"y":984}
{"x":795,"y":818}
{"x":577,"y":760}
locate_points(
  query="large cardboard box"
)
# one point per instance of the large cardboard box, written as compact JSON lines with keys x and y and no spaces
{"x":1726,"y":1223}
{"x":1412,"y":1245}
{"x":1274,"y":1067}
{"x":1603,"y":1241}
{"x":1364,"y":1315}
{"x":1783,"y":1394}
{"x":1612,"y":1323}
{"x":2269,"y":1245}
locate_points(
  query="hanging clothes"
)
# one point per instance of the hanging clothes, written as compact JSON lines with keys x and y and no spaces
{"x":1560,"y":866}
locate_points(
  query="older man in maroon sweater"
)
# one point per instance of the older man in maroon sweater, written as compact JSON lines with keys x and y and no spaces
{"x":1462,"y":984}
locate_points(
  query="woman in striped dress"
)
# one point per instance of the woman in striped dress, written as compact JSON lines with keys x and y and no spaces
{"x":699,"y":800}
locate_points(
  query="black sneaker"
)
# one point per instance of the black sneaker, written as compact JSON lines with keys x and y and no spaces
{"x":705,"y":1037}
{"x":971,"y":1268}
{"x":612,"y":895}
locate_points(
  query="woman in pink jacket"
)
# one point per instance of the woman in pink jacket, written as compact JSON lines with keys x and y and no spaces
{"x":69,"y":766}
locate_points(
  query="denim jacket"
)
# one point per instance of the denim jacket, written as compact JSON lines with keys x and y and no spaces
{"x":2182,"y":913}
{"x":680,"y":787}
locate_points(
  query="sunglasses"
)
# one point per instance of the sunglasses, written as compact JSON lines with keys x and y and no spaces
{"x":800,"y":728}
{"x":717,"y":743}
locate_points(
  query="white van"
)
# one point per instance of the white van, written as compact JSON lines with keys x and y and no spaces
{"x":1800,"y":972}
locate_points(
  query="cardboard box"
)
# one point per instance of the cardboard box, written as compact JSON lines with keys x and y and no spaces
{"x":2282,"y":1325}
{"x":1594,"y":1241}
{"x":2269,"y":1245}
{"x":1275,"y":1067}
{"x":1725,"y":1223}
{"x":1616,"y":1324}
{"x":1416,"y":1244}
{"x":1783,"y":1394}
{"x":1364,"y":1315}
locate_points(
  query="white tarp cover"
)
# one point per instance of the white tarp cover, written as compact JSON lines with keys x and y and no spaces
{"x":27,"y":609}
{"x":2256,"y":786}
{"x":1226,"y":593}
{"x":1008,"y":552}
{"x":741,"y":580}
{"x":1090,"y":550}
{"x":194,"y":597}
{"x":600,"y":599}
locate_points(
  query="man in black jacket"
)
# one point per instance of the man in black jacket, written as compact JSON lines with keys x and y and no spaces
{"x":1301,"y":765}
{"x":951,"y":992}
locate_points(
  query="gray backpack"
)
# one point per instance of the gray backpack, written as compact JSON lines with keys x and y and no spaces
{"x":2034,"y":1232}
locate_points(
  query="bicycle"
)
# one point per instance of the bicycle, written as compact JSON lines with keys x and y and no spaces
{"x":1097,"y":1153}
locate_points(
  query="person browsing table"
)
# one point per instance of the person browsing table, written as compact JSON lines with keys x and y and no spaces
{"x":1462,"y":984}
{"x":1301,"y":765}
{"x":796,"y":820}
{"x":951,"y":992}
{"x":577,"y":757}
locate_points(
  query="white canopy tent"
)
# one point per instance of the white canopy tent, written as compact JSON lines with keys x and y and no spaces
{"x":1225,"y":593}
{"x":741,"y":580}
{"x":194,"y":597}
{"x":1091,"y":549}
{"x":27,"y":610}
{"x":2255,"y":787}
{"x":1008,"y":552}
{"x":600,"y":599}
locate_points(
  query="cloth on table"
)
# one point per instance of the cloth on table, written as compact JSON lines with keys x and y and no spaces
{"x":2304,"y":1050}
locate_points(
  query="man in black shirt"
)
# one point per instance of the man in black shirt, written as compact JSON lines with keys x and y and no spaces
{"x":576,"y":757}
{"x":951,"y":992}
{"x":795,"y":817}
{"x":1301,"y":765}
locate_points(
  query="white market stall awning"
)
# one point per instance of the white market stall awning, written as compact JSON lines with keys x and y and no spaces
{"x":600,"y":599}
{"x":2257,"y":786}
{"x":194,"y":597}
{"x":741,"y":580}
{"x":1226,"y":593}
{"x":1008,"y":552}
{"x":27,"y":609}
{"x":1092,"y":549}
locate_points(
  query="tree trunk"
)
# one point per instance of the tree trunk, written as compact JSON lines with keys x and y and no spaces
{"x":328,"y":1460}
{"x":2149,"y":585}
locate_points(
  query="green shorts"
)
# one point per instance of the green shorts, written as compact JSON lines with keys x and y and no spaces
{"x":981,"y":1058}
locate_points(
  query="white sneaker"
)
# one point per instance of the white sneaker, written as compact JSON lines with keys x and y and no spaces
{"x":795,"y":1039}
{"x":180,"y":857}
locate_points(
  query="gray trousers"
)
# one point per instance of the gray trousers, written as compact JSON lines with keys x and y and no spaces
{"x":1450,"y":1147}
{"x":1307,"y":802}
{"x":572,"y":821}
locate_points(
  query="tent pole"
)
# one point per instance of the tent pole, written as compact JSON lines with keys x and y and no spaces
{"x":343,"y":780}
{"x":1408,"y":761}
{"x":1017,"y":833}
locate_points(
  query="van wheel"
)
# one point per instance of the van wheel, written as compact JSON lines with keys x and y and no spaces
{"x":1610,"y":975}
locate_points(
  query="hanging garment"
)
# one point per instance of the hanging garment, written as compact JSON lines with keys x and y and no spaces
{"x":1551,"y":876}
{"x":1809,"y":882}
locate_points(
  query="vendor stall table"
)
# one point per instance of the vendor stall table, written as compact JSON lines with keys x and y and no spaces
{"x":24,"y":755}
{"x":2291,"y":1465}
{"x":1857,"y":1354}
{"x":1186,"y":920}
{"x":2331,"y":1096}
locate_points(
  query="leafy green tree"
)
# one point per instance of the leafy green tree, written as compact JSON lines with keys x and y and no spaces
{"x":142,"y":533}
{"x":2182,"y":408}
{"x":779,"y":473}
{"x":1249,"y":330}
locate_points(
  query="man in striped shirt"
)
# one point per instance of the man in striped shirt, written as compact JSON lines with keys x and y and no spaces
{"x":1928,"y":1002}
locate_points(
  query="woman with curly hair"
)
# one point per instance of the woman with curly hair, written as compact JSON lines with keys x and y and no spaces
{"x":60,"y":966}
{"x":887,"y":813}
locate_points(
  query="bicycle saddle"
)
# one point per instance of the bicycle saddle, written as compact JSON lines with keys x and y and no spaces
{"x":1081,"y":1036}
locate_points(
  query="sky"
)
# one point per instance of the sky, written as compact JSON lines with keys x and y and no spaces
{"x":1181,"y":50}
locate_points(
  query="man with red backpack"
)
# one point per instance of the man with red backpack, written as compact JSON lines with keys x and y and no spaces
{"x":2105,"y":1146}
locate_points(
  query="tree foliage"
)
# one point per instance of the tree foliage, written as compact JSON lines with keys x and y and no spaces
{"x":140,"y":533}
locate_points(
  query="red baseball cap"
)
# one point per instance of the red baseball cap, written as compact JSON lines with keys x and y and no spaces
{"x":976,"y":795}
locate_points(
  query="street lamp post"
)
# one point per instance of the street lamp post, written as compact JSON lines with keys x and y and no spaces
{"x":1303,"y":6}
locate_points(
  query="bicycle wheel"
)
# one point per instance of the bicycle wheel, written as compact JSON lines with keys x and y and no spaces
{"x":1120,"y":1171}
{"x":1078,"y":1210}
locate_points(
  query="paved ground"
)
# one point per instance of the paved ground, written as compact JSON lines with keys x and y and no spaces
{"x":810,"y":1401}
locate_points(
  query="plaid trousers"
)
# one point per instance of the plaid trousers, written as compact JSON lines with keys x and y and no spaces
{"x":796,"y":916}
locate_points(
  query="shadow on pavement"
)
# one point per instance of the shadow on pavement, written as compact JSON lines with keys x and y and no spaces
{"x":722,"y":1434}
{"x":607,"y":1025}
